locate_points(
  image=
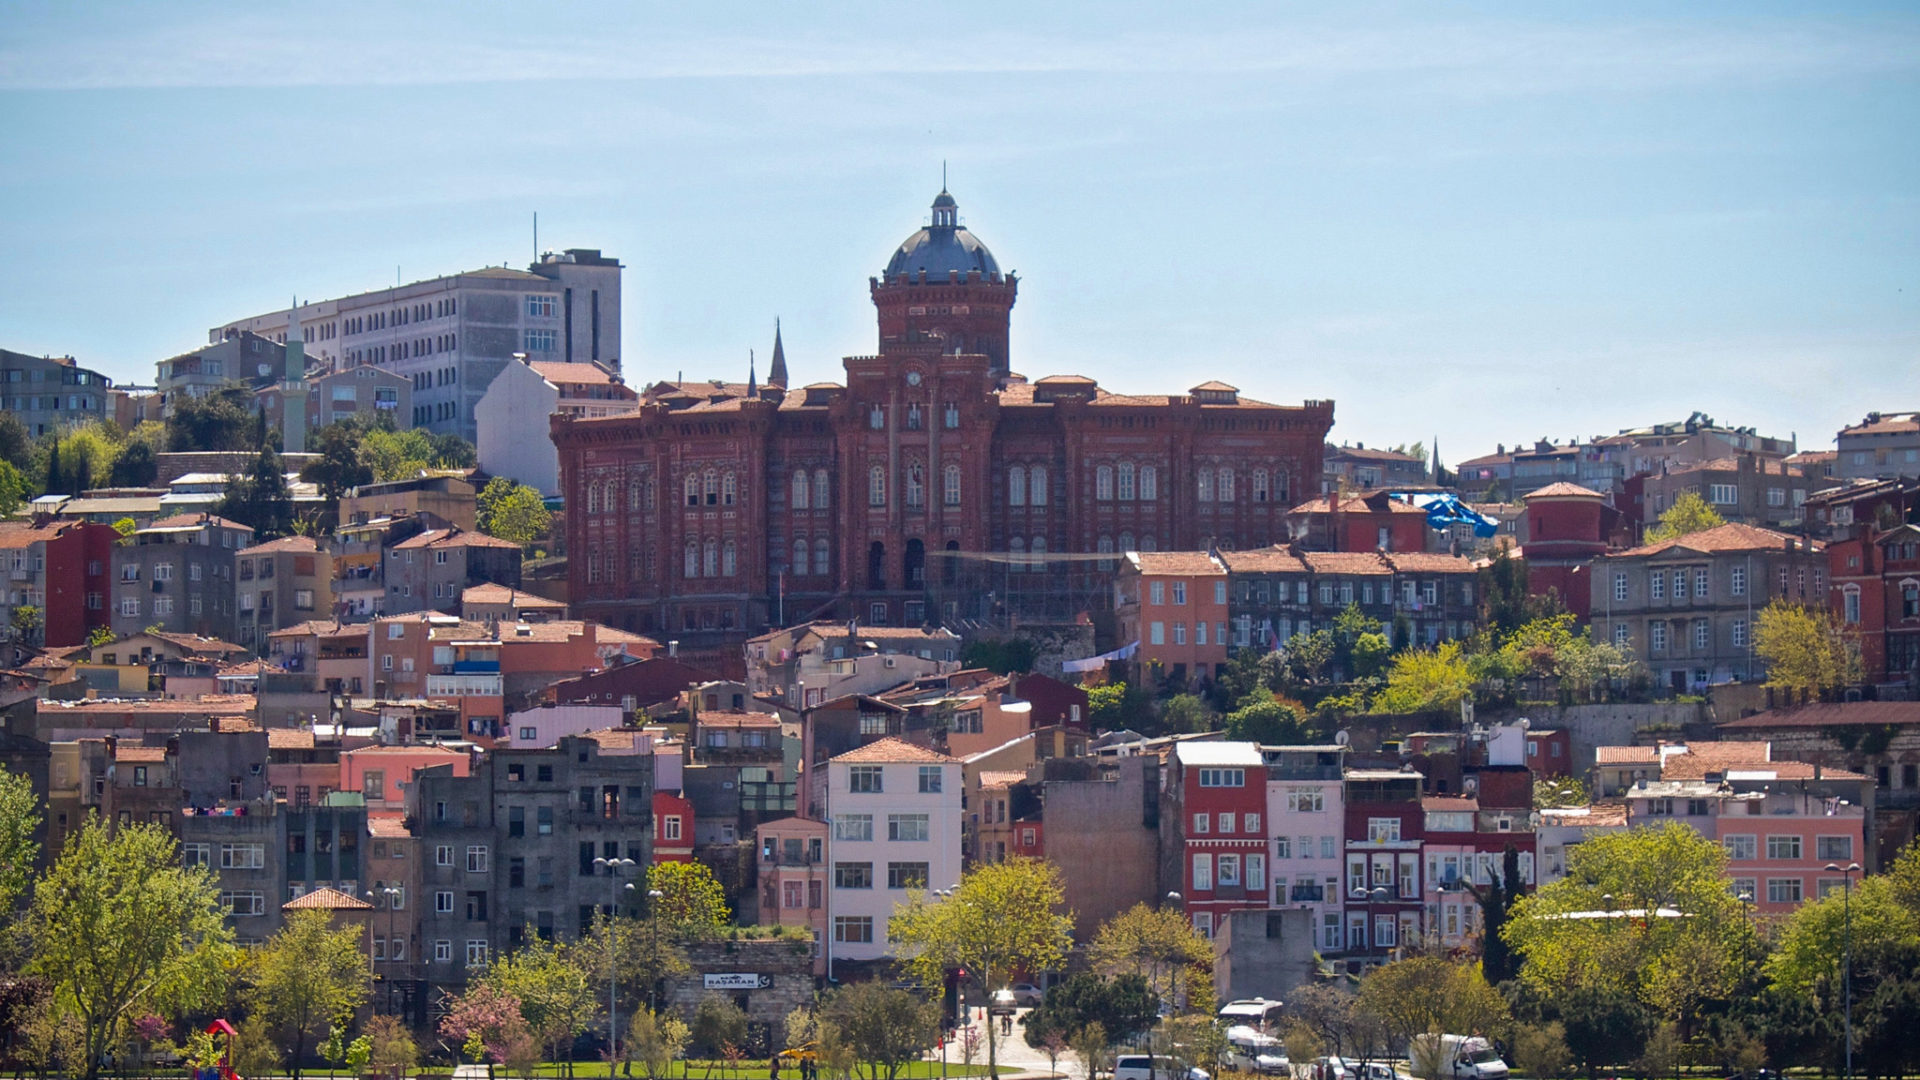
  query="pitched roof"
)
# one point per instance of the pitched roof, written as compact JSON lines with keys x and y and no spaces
{"x":139,"y":754}
{"x":1264,"y":560}
{"x":1885,"y":424}
{"x":1191,"y":563}
{"x":993,"y":778}
{"x":196,"y":643}
{"x":1626,"y":755}
{"x":1701,"y":758}
{"x":1599,"y":815}
{"x":891,"y":750}
{"x":558,"y":372}
{"x":289,"y":738}
{"x":303,"y":545}
{"x":326,"y":899}
{"x":1563,"y":489}
{"x":1828,"y":715}
{"x":454,"y":537}
{"x":1723,"y":538}
{"x":1346,"y":562}
{"x":490,"y":593}
{"x":15,"y":537}
{"x":187,"y":521}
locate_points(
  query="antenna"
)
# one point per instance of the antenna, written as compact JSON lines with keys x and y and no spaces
{"x":1342,"y":737}
{"x":943,"y":174}
{"x":536,"y":236}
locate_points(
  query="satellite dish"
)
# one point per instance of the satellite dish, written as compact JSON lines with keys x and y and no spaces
{"x":1341,"y":737}
{"x":1523,"y":723}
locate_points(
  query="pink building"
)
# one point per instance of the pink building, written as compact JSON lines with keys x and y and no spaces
{"x":383,"y":773}
{"x":672,"y":828}
{"x":793,"y":877}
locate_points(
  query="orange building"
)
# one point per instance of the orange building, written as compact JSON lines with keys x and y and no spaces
{"x":383,"y":773}
{"x":1174,"y":603}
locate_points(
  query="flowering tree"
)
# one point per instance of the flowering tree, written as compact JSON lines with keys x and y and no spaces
{"x":487,"y":1023}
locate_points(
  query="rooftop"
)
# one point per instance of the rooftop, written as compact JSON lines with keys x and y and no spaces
{"x":1207,"y":754}
{"x":891,"y":750}
{"x":1724,"y":538}
{"x":325,"y":899}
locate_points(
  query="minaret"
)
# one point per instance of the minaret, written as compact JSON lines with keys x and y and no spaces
{"x":777,"y":370}
{"x":293,"y":387}
{"x":753,"y":385}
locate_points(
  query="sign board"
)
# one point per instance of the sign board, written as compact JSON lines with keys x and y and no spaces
{"x":739,"y":980}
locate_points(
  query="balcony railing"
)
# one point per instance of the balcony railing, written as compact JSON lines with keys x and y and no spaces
{"x":1306,"y":894}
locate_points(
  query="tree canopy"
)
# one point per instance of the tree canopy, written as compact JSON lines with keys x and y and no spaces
{"x":306,"y":980}
{"x":513,"y":512}
{"x":1805,"y":651}
{"x":222,"y":420}
{"x":1689,"y":514}
{"x":1154,"y":943}
{"x":692,"y":904}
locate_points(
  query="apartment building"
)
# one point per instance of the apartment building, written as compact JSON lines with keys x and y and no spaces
{"x":60,"y":569}
{"x":1213,"y":829}
{"x":449,"y":336}
{"x":1881,"y":446}
{"x":1685,"y":607}
{"x":433,"y":569}
{"x":48,"y":393}
{"x":177,"y":574}
{"x":514,"y":414}
{"x":367,"y":393}
{"x":1306,"y":824}
{"x":1749,"y":489}
{"x":1385,"y":830}
{"x":896,"y":815}
{"x":793,"y":877}
{"x":278,"y":584}
{"x":1277,"y":593}
{"x":1174,"y":604}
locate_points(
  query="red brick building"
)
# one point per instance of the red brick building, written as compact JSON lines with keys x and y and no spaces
{"x":63,"y":570}
{"x":1566,"y":531}
{"x":935,"y":484}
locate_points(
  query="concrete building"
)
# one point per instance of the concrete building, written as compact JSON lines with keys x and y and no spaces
{"x":513,"y":416}
{"x":1306,"y":821}
{"x":1262,"y":954}
{"x":245,"y":358}
{"x":1101,"y":827}
{"x":48,"y":393}
{"x":177,"y":574}
{"x":62,"y":570}
{"x":369,"y":393}
{"x":503,"y":603}
{"x":449,"y":336}
{"x":278,"y":584}
{"x":431,"y":570}
{"x":895,"y":810}
{"x":449,"y":497}
{"x":1880,"y":447}
{"x":1174,"y":604}
{"x":812,"y":663}
{"x":794,"y":876}
{"x":1748,"y":489}
{"x":1385,"y":830}
{"x":1562,"y":829}
{"x":1686,"y":606}
{"x":1277,"y":593}
{"x":1356,"y":468}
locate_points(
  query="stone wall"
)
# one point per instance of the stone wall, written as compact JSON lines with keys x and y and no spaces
{"x":768,"y":979}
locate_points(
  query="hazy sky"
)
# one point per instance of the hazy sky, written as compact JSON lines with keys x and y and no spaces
{"x":1486,"y":223}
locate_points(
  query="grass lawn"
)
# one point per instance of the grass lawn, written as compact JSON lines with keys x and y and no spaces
{"x":757,"y":1070}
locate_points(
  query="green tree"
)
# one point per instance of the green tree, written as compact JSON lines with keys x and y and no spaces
{"x":1689,"y":514}
{"x":1183,"y":713}
{"x":718,"y":1024}
{"x":1124,"y":1004}
{"x":1885,"y":934}
{"x":692,"y":904}
{"x":885,"y":1027}
{"x":1002,"y":656}
{"x":1271,"y":722}
{"x":1371,"y":653}
{"x":16,"y":443}
{"x":221,"y":420}
{"x":13,"y":488}
{"x":655,"y":1040}
{"x":1664,"y":962}
{"x":551,"y":982}
{"x":27,"y":621}
{"x":1805,"y":651}
{"x":401,"y":455}
{"x":19,"y":820}
{"x":642,"y":952}
{"x":1426,"y":679}
{"x":393,"y":1047}
{"x":339,"y":468}
{"x":1540,"y":1051}
{"x":307,"y":979}
{"x":1497,"y":897}
{"x":1559,"y":792}
{"x":1001,"y":918}
{"x":261,"y":499}
{"x":513,"y":512}
{"x":120,"y":928}
{"x":1308,"y":656}
{"x":1154,"y":943}
{"x":136,"y":466}
{"x":1426,"y":996}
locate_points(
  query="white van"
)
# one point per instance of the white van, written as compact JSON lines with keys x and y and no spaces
{"x":1250,"y":1051}
{"x":1455,"y":1057}
{"x":1153,"y":1067}
{"x":1261,"y":1014}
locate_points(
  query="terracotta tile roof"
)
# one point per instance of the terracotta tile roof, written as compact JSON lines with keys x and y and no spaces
{"x":197,"y":644}
{"x":205,"y":705}
{"x":489,"y":593}
{"x":1702,"y":758}
{"x":1723,"y":538}
{"x":1444,"y":803}
{"x":14,"y":537}
{"x":615,"y":738}
{"x":233,"y":725}
{"x":1597,"y":816}
{"x":421,"y":749}
{"x":737,"y":719}
{"x":244,"y":667}
{"x":1215,"y":385}
{"x":455,"y":537}
{"x":997,"y":778}
{"x":1888,"y":424}
{"x":289,"y":739}
{"x":301,"y":544}
{"x":326,"y":900}
{"x":1563,"y":489}
{"x":1190,"y":563}
{"x":1626,"y":755}
{"x":1357,"y":504}
{"x":557,"y":372}
{"x":183,"y":521}
{"x":1765,"y":466}
{"x":388,"y":825}
{"x":1428,"y":562}
{"x":1367,"y":454}
{"x":1346,"y":562}
{"x":1820,"y":716}
{"x":932,"y":633}
{"x":890,"y":750}
{"x":140,"y":754}
{"x":322,"y":628}
{"x":1486,"y":459}
{"x":1264,"y":561}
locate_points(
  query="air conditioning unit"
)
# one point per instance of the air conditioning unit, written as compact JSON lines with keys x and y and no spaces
{"x":1504,"y":824}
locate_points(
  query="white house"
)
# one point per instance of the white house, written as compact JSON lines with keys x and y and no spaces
{"x":895,"y":817}
{"x":1306,"y":819}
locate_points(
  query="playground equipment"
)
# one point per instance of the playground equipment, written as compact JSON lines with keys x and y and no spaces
{"x":224,"y":1070}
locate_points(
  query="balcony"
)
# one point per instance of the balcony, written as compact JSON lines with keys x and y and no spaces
{"x":463,"y":686}
{"x":476,"y":667}
{"x":1306,"y":894}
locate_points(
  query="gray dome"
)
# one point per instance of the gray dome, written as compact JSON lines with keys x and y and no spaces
{"x":941,"y":247}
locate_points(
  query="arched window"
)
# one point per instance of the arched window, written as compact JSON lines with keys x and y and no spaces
{"x":692,"y":486}
{"x":1124,"y":474}
{"x":1224,"y":484}
{"x":593,"y":567}
{"x":822,"y":560}
{"x":636,"y":494}
{"x":800,"y":490}
{"x":1280,"y":492}
{"x":612,"y":503}
{"x":820,"y":489}
{"x":1037,"y":485}
{"x":950,"y":486}
{"x":800,"y":557}
{"x":593,"y":497}
{"x":1103,"y":482}
{"x":1017,"y":485}
{"x":913,"y":417}
{"x":1018,"y":548}
{"x":728,"y":564}
{"x":693,"y":558}
{"x":710,"y":558}
{"x":916,"y":486}
{"x":1259,"y":485}
{"x":1106,"y":548}
{"x":1147,"y":544}
{"x":1149,"y":483}
{"x":646,"y":493}
{"x":712,"y":486}
{"x":953,"y":416}
{"x":1039,"y":548}
{"x":1204,"y":483}
{"x":877,"y":419}
{"x":877,"y":486}
{"x":1126,"y":542}
{"x":729,"y":489}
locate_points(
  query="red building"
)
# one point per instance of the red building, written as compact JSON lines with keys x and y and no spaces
{"x":1566,"y":531}
{"x":935,"y":484}
{"x":1220,"y":791}
{"x":1375,"y":522}
{"x":672,"y":828}
{"x":1386,"y":828}
{"x":1876,"y":599}
{"x":64,"y":571}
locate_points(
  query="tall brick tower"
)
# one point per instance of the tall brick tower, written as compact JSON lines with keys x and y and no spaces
{"x":943,"y":288}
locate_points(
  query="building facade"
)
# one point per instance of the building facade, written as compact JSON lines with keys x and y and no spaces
{"x":278,"y":584}
{"x":935,"y":484}
{"x":1879,"y":447}
{"x":177,"y":574}
{"x":62,"y":571}
{"x":48,"y":393}
{"x":895,"y":813}
{"x":1306,"y":820}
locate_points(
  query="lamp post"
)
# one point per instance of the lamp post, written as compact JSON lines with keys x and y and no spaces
{"x":1370,"y":897}
{"x":1846,"y":938}
{"x":614,"y":868}
{"x":1174,"y":900}
{"x":390,"y":893}
{"x":653,"y":927}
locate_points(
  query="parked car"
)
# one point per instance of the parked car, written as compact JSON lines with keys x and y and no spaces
{"x":1335,"y":1068}
{"x":1248,"y":1050}
{"x":1154,"y":1067}
{"x":1026,"y":995}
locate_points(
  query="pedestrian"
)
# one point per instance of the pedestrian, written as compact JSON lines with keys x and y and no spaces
{"x":773,"y":1066}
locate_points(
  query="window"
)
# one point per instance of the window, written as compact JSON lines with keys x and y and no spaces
{"x":541,"y":340}
{"x":1783,"y":890}
{"x":476,"y":953}
{"x":242,"y":856}
{"x":1738,"y":633}
{"x":1700,"y":587}
{"x":1702,"y":635}
{"x":907,"y":827}
{"x":1723,"y":494}
{"x":1223,"y":777}
{"x":864,"y":779}
{"x":1157,"y":634}
{"x":195,"y":854}
{"x":1833,"y":848}
{"x":1017,"y":485}
{"x":1228,"y":870}
{"x":857,"y":929}
{"x":477,"y":859}
{"x":1783,"y":847}
{"x":443,"y":951}
{"x":849,"y":875}
{"x":1179,"y":592}
{"x":1283,"y":847}
{"x":540,"y":307}
{"x":669,"y":826}
{"x":1619,"y":585}
{"x":443,"y":903}
{"x":1203,"y":485}
{"x":907,"y":875}
{"x":1224,"y":485}
{"x":950,"y":486}
{"x":1657,"y":585}
{"x":1383,"y":830}
{"x":1849,"y":603}
{"x":877,"y":486}
{"x":1203,"y":872}
{"x":1657,"y":636}
{"x":1303,"y":800}
{"x":244,"y":902}
{"x":930,"y":779}
{"x":1157,"y":592}
{"x":853,"y":827}
{"x":1103,"y":482}
{"x":1202,"y":823}
{"x":1180,"y":633}
{"x":1149,"y":482}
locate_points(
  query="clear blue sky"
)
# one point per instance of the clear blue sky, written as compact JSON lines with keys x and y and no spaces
{"x":1488,"y":223}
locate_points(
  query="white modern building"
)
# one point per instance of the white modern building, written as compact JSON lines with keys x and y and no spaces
{"x":451,"y":335}
{"x":1306,"y":818}
{"x":894,"y":811}
{"x":512,"y":416}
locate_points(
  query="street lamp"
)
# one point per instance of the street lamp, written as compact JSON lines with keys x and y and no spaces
{"x":390,"y":893}
{"x":1846,"y":932}
{"x":1376,"y":895}
{"x":614,"y":868}
{"x":653,"y":927}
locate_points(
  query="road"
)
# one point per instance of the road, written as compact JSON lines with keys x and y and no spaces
{"x":1014,"y":1053}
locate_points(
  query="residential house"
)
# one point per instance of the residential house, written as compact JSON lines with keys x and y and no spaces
{"x":278,"y":584}
{"x":177,"y":574}
{"x":1750,"y":489}
{"x":1374,"y":522}
{"x":1174,"y":605}
{"x":1881,"y":446}
{"x":793,"y":878}
{"x":1277,"y":593}
{"x":62,"y":571}
{"x":1213,"y":829}
{"x":895,"y":812}
{"x":1306,"y":825}
{"x":430,"y":571}
{"x":1385,"y":830}
{"x":1356,"y":468}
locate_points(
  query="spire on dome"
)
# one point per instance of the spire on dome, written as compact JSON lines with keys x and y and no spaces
{"x":777,"y":370}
